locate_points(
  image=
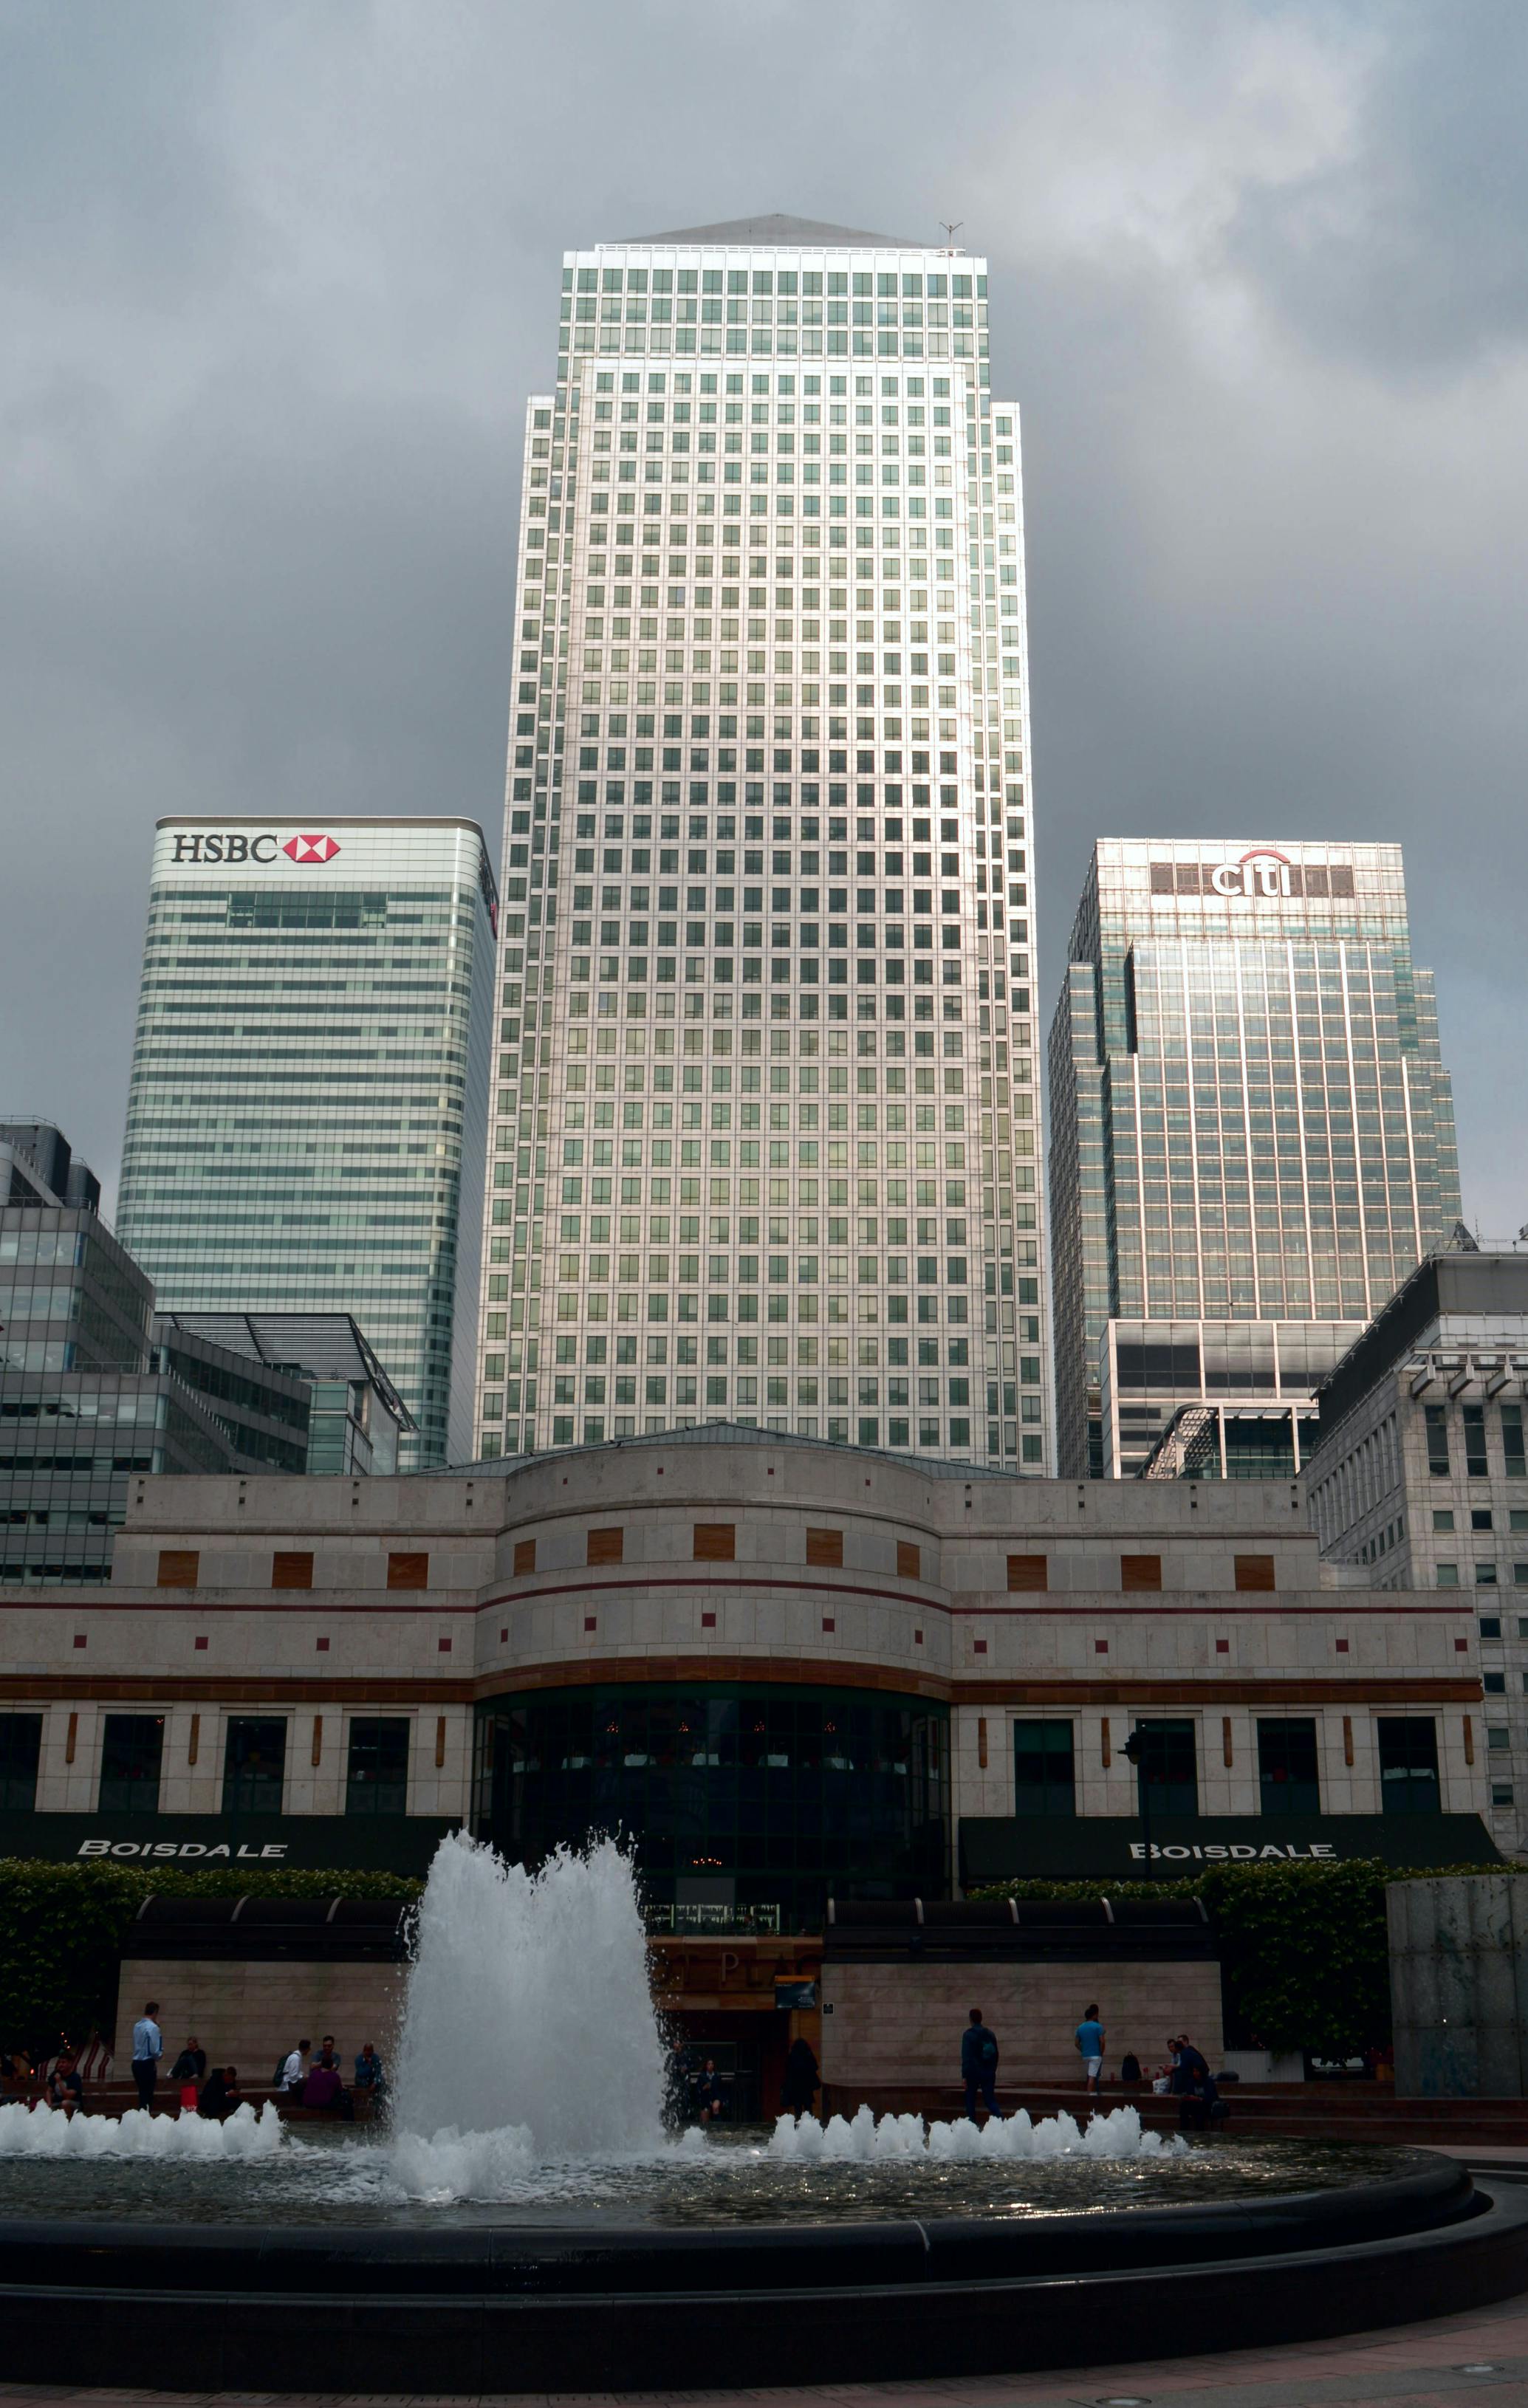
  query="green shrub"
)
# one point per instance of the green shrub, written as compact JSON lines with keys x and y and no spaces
{"x":63,"y":1926}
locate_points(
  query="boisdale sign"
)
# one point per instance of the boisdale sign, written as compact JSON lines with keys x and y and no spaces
{"x":1089,"y":1847}
{"x":396,"y":1843}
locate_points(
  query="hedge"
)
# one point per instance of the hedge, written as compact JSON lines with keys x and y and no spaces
{"x":61,"y":1929}
{"x":1303,"y":1955}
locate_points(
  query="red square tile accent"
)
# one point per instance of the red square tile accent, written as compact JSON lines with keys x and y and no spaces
{"x":1222,"y":1646}
{"x":503,"y":1637}
{"x":1461,"y":1646}
{"x":591,"y":1622}
{"x":917,"y":1638}
{"x":708,"y":1621}
{"x":1342,"y":1646}
{"x":79,"y":1639}
{"x":828,"y":1624}
{"x":200,"y":1642}
{"x":980,"y":1645}
{"x":443,"y":1646}
{"x":322,"y":1646}
{"x":1101,"y":1647}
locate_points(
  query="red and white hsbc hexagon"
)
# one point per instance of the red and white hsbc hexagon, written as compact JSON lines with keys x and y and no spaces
{"x":311,"y":848}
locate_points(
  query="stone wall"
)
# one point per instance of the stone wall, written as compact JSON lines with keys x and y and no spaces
{"x":900,"y":2025}
{"x":250,"y":2014}
{"x":1459,"y":1985}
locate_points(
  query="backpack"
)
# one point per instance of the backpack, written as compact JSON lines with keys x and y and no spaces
{"x":989,"y":2048}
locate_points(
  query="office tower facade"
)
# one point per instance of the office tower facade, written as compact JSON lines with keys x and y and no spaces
{"x":308,"y":1092}
{"x":766,"y":1121}
{"x":1252,"y":1145}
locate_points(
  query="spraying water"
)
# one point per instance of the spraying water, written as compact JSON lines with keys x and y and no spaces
{"x":528,"y":2023}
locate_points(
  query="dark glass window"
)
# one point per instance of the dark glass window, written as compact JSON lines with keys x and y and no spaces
{"x":1437,"y":1441}
{"x":1408,"y":1765}
{"x":1169,"y":1767}
{"x":20,"y":1745}
{"x":377,"y":1782}
{"x":254,"y":1767}
{"x":741,"y":1800}
{"x":1513,"y":1462}
{"x":1473,"y":1417}
{"x":131,"y":1747}
{"x":1044,"y":1781}
{"x":1287,"y":1773}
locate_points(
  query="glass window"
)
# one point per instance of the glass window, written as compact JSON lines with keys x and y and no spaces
{"x":1491,"y":1626}
{"x":1408,"y":1765}
{"x":1501,"y":1793}
{"x":1485,"y":1575}
{"x":1498,"y":1738}
{"x":377,"y":1778}
{"x":254,"y":1766}
{"x":1474,"y":1418}
{"x":1443,"y":1517}
{"x":131,"y":1747}
{"x":1044,"y":1780}
{"x":1448,"y":1575}
{"x":1493,"y":1683}
{"x":1287,"y":1773}
{"x":20,"y":1745}
{"x":1437,"y":1441}
{"x":1513,"y":1462}
{"x":1169,"y":1767}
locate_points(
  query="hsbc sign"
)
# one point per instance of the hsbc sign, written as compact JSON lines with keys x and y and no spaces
{"x":230,"y":845}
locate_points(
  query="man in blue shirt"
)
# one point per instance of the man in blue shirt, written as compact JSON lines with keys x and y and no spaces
{"x":979,"y":2064}
{"x":1090,"y":2049}
{"x":148,"y":2048}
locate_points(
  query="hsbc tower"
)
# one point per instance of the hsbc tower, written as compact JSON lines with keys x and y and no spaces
{"x":1252,"y":1145}
{"x":308,"y":1098}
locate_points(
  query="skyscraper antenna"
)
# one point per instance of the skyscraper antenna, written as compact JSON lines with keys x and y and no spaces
{"x":952,"y":228}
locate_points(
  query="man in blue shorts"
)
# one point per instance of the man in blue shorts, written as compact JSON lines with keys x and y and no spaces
{"x":1090,"y":2048}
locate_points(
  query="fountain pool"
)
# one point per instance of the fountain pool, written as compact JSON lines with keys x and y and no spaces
{"x":523,"y":2222}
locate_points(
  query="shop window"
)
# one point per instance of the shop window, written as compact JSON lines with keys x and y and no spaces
{"x":1169,"y":1767}
{"x":1140,"y":1572}
{"x":1026,"y":1573}
{"x":909,"y":1561}
{"x":179,"y":1567}
{"x":408,"y":1571}
{"x":825,"y":1547}
{"x":605,"y":1547}
{"x":291,"y":1569}
{"x":21,"y":1747}
{"x":1255,"y":1572}
{"x":1408,"y":1765}
{"x":254,"y":1766}
{"x":1288,"y":1777}
{"x":525,"y":1555}
{"x":132,"y":1750}
{"x":377,"y":1774}
{"x":1045,"y":1778}
{"x":715,"y":1542}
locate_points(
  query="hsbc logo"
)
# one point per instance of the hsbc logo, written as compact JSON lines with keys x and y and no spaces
{"x":228,"y":846}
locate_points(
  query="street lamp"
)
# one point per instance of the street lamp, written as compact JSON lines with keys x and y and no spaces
{"x":1136,"y":1748}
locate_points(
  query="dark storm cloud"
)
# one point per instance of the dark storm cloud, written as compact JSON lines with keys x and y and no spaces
{"x":275,"y":280}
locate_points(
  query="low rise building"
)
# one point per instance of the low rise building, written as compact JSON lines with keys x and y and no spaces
{"x":789,"y":1670}
{"x":1420,"y":1480}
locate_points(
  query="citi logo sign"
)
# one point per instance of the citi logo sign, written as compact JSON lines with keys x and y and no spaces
{"x":227,"y":846}
{"x":1258,"y":875}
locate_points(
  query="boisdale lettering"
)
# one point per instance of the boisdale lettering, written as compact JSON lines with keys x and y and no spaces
{"x":273,"y":1849}
{"x":1319,"y":1852}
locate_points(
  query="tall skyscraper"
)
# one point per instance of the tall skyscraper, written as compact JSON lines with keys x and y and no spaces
{"x":308,"y":1095}
{"x":766,"y":1118}
{"x":1252,"y":1144}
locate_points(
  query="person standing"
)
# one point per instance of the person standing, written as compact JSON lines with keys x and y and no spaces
{"x":148,"y":2048}
{"x":1090,"y":2049}
{"x":803,"y":2080}
{"x":979,"y":2064}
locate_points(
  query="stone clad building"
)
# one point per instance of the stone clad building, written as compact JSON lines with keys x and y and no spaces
{"x":791,"y":1671}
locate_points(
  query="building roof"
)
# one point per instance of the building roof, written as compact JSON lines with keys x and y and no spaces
{"x":309,"y":1345}
{"x":1482,"y":1284}
{"x":776,"y":231}
{"x":732,"y":1434}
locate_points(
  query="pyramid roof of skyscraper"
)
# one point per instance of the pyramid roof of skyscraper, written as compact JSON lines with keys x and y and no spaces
{"x":778,"y":232}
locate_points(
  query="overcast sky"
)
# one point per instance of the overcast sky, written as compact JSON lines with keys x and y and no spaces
{"x":273,"y":281}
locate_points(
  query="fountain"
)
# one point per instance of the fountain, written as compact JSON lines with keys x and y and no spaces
{"x":523,"y":2221}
